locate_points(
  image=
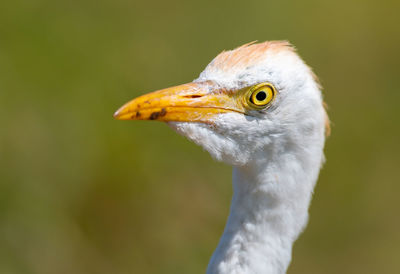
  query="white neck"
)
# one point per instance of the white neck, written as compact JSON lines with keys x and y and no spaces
{"x":268,"y":212}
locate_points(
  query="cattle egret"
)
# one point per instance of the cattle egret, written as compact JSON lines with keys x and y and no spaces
{"x":258,"y":108}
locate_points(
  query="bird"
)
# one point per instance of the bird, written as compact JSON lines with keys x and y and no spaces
{"x":260,"y":109}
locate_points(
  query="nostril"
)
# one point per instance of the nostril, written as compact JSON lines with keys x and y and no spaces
{"x":193,"y":96}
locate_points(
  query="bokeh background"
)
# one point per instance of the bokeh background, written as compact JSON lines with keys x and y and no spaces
{"x":83,"y":193}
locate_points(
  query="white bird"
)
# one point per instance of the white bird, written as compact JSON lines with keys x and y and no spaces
{"x":259,"y":108}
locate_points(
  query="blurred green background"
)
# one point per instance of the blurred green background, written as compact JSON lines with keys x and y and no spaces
{"x":83,"y":193}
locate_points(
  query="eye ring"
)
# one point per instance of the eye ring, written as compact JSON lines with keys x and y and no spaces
{"x":261,"y":95}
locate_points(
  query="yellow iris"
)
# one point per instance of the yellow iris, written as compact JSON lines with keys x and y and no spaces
{"x":261,"y":95}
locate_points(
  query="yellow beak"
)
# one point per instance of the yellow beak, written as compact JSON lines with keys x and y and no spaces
{"x":192,"y":102}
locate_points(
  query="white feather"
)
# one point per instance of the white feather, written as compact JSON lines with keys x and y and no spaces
{"x":276,"y":154}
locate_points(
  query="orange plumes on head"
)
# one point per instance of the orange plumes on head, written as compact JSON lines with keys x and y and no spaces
{"x":247,"y":55}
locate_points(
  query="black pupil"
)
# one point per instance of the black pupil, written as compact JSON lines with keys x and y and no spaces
{"x":261,"y":96}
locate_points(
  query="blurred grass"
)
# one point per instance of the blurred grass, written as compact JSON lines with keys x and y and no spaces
{"x":82,"y":193}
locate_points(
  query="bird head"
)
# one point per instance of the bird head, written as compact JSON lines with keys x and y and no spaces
{"x":258,"y":98}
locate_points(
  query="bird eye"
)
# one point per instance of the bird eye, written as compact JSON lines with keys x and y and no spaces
{"x":261,"y":95}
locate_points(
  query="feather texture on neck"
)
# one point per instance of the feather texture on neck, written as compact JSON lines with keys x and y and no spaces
{"x":269,"y":210}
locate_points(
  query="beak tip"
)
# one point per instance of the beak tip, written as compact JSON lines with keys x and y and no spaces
{"x":117,"y":114}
